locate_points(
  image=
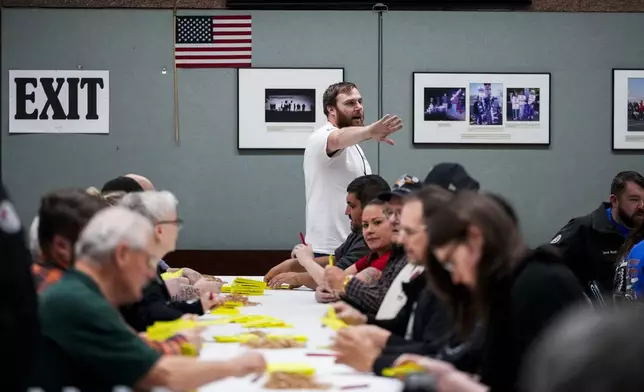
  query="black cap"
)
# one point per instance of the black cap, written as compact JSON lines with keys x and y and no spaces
{"x":451,"y":176}
{"x":404,"y":185}
{"x":122,"y":184}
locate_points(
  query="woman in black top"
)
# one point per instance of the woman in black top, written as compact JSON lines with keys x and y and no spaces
{"x":479,"y":264}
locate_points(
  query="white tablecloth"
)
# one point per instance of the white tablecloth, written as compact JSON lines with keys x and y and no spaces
{"x":298,"y":308}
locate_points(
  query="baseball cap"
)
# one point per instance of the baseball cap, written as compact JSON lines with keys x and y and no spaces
{"x":404,"y":185}
{"x":451,"y":176}
{"x":122,"y":184}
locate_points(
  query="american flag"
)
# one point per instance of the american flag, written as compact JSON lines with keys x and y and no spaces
{"x":222,"y":41}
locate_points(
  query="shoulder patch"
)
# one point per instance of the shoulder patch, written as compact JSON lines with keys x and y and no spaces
{"x":9,"y":221}
{"x":556,"y":239}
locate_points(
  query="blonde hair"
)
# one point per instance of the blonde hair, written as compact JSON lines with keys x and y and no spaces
{"x":93,"y":191}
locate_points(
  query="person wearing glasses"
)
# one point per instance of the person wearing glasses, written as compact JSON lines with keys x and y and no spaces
{"x":160,"y":207}
{"x":479,"y":263}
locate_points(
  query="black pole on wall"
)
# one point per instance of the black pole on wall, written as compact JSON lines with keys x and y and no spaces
{"x":380,"y":9}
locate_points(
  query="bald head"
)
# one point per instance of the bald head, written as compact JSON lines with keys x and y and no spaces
{"x":143,"y":181}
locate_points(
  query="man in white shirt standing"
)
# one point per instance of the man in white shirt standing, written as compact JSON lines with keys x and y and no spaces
{"x":332,"y":159}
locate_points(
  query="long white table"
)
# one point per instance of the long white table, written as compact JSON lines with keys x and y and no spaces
{"x":298,"y":308}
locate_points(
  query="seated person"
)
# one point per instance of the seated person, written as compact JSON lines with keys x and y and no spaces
{"x":160,"y":207}
{"x":377,"y":231}
{"x":359,"y":192}
{"x":422,"y":324}
{"x":364,"y":296}
{"x":61,"y":217}
{"x":181,"y":290}
{"x":629,"y":276}
{"x":86,"y":345}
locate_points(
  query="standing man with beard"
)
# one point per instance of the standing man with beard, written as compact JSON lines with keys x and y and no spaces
{"x":332,"y":159}
{"x":589,"y":244}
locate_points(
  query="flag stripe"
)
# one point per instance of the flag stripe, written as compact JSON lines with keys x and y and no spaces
{"x":216,"y":33}
{"x":183,"y":51}
{"x":231,"y":25}
{"x":230,"y":17}
{"x":216,"y":57}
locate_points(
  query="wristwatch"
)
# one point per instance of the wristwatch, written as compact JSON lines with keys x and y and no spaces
{"x":347,"y":279}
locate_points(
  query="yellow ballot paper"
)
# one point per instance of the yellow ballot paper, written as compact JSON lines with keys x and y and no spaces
{"x":292,"y":368}
{"x":172,"y":275}
{"x":225,"y":311}
{"x":402,"y":370}
{"x":233,"y":304}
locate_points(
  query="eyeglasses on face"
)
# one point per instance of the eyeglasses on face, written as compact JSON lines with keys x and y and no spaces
{"x":177,"y":222}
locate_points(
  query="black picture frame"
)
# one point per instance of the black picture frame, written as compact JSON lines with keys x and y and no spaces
{"x":621,"y":123}
{"x":448,"y":141}
{"x":243,"y":141}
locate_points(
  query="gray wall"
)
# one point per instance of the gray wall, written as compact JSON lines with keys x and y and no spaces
{"x":233,"y":200}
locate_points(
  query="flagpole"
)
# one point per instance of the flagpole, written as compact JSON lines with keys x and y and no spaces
{"x":174,"y":61}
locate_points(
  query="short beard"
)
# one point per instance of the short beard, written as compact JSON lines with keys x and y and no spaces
{"x":627,"y":220}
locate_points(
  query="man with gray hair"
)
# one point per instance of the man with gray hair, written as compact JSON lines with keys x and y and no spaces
{"x":87,"y":345}
{"x":160,"y":207}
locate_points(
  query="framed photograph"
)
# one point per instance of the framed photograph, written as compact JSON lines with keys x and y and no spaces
{"x":279,"y":108}
{"x":489,"y":108}
{"x":628,"y":109}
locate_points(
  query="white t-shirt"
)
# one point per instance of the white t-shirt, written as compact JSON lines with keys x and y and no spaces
{"x":326,"y":179}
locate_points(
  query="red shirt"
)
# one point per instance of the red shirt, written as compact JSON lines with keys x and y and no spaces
{"x":372,"y":260}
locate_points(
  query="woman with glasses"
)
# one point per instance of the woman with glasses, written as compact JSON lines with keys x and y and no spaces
{"x":479,"y":264}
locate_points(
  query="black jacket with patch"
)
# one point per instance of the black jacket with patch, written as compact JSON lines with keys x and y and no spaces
{"x":589,"y":246}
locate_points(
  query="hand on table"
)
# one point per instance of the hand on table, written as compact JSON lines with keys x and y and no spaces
{"x":193,"y":335}
{"x":192,"y":275}
{"x":211,"y":300}
{"x":334,"y":279}
{"x":248,"y":363}
{"x":348,"y":314}
{"x":207,"y":285}
{"x":354,"y":351}
{"x":322,"y":295}
{"x":284,"y":266}
{"x":432,"y":366}
{"x":290,"y":278}
{"x":378,"y":336}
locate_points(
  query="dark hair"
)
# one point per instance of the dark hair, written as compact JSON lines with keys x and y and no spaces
{"x":622,"y":179}
{"x":432,"y":197}
{"x":65,"y":213}
{"x":587,"y":349}
{"x":329,"y":98}
{"x":502,"y":248}
{"x":122,"y":184}
{"x":634,"y":237}
{"x":505,"y":205}
{"x":367,"y":188}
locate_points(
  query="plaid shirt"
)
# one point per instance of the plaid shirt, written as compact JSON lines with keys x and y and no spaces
{"x":367,"y":298}
{"x":46,"y":274}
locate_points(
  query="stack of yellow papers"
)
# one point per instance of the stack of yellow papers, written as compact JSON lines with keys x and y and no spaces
{"x":291,"y":368}
{"x":244,"y":337}
{"x":162,"y":330}
{"x":226,"y":311}
{"x":330,"y":320}
{"x":266,"y":322}
{"x":245,"y":286}
{"x":402,"y":370}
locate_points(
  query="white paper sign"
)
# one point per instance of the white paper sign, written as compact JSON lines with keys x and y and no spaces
{"x":59,"y":101}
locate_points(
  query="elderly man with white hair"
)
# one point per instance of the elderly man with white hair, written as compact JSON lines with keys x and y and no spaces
{"x":86,"y":344}
{"x":160,"y":207}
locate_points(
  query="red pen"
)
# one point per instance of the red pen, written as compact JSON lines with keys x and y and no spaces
{"x":212,"y":296}
{"x":302,"y":238}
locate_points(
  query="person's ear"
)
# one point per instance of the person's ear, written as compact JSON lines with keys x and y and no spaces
{"x":613,"y":200}
{"x":62,"y":250}
{"x":121,"y":256}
